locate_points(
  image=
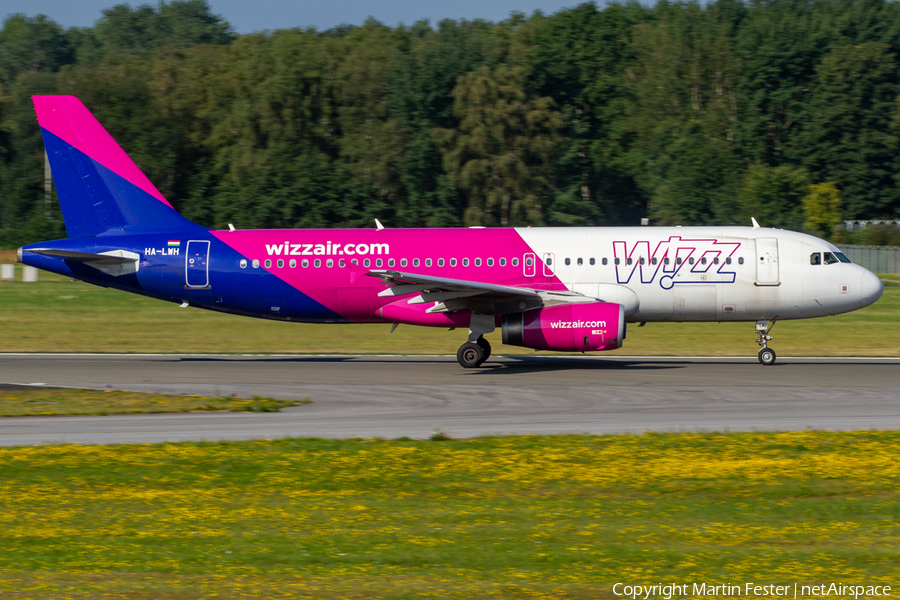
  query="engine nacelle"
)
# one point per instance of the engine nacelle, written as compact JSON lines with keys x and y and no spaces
{"x":567,"y":327}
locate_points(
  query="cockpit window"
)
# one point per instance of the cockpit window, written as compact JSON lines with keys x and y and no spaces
{"x":830,"y":258}
{"x":815,"y":258}
{"x":841,"y":257}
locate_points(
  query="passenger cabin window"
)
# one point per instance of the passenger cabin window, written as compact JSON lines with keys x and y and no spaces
{"x":630,"y":260}
{"x":490,"y":262}
{"x":666,"y":260}
{"x":654,"y":260}
{"x":280,"y":263}
{"x":605,"y":262}
{"x":293,"y":263}
{"x":728,"y":261}
{"x":830,"y":258}
{"x":592,"y":262}
{"x":477,"y":262}
{"x":354,"y":261}
{"x":378,"y":263}
{"x":452,"y":262}
{"x":427,"y":262}
{"x":815,"y":258}
{"x":617,"y":261}
{"x":568,"y":261}
{"x":366,"y":262}
{"x":679,"y":260}
{"x":330,"y":263}
{"x":515,"y":262}
{"x":268,"y":263}
{"x":403,"y":262}
{"x":318,"y":263}
{"x":465,"y":262}
{"x":740,"y":260}
{"x":341,"y":263}
{"x":549,"y":261}
{"x":528,"y":262}
{"x":305,"y":263}
{"x":391,"y":262}
{"x":716,"y":260}
{"x":255,"y":263}
{"x":440,"y":262}
{"x":641,"y":260}
{"x":415,"y":262}
{"x":580,"y":262}
{"x":691,"y":260}
{"x":502,"y":262}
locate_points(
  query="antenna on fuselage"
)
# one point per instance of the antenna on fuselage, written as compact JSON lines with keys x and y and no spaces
{"x":378,"y":225}
{"x":755,"y":224}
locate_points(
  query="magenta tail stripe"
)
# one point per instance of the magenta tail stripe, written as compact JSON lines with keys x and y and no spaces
{"x":70,"y":120}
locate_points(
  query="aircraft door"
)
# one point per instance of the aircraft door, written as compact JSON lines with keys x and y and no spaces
{"x":767,"y":261}
{"x":528,"y":264}
{"x":196,"y":264}
{"x":549,"y":259}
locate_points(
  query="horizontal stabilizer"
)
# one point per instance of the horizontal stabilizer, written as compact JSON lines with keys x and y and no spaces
{"x":113,"y":262}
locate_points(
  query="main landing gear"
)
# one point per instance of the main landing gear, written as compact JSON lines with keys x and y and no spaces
{"x":477,"y":350}
{"x":472,"y":354}
{"x":766,"y":355}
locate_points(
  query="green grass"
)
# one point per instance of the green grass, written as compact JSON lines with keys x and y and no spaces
{"x":41,"y":402}
{"x":516,"y":517}
{"x":58,"y":315}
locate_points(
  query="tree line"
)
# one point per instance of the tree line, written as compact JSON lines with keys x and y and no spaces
{"x":688,"y":114}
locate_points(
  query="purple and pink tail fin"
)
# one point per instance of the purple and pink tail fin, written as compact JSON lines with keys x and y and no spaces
{"x":100,"y":188}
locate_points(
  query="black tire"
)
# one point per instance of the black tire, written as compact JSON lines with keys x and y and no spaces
{"x":470,"y":355}
{"x":486,"y":346}
{"x":767,"y":357}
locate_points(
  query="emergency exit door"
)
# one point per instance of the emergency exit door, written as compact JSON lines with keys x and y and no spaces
{"x":196,"y":264}
{"x":767,"y":261}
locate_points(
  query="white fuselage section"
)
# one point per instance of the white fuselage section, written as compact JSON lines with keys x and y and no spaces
{"x":704,"y":273}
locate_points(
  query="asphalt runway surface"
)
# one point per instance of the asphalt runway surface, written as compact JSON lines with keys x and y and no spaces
{"x":394,"y":396}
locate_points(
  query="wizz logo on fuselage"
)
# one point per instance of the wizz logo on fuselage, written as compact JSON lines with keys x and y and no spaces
{"x":690,"y":260}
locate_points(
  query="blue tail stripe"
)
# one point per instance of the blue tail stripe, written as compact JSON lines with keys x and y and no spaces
{"x":95,"y":200}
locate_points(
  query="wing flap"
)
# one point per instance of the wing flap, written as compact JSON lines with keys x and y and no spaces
{"x":451,"y":295}
{"x":418,"y":283}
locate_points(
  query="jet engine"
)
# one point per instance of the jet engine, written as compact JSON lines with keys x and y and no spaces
{"x":578,"y":327}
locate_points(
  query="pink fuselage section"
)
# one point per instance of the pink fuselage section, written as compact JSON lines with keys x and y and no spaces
{"x":330,"y":266}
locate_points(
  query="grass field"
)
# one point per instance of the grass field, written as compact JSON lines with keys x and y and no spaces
{"x":58,"y":315}
{"x":21,"y":403}
{"x":515,"y":517}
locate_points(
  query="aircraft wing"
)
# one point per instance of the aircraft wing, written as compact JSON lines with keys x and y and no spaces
{"x":450,"y":295}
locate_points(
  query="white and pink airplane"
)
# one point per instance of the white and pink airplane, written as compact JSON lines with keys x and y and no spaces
{"x":558,"y":289}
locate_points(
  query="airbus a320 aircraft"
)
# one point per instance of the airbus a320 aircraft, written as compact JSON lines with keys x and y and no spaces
{"x":561,"y":289}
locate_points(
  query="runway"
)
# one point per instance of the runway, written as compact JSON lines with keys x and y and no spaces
{"x":395,"y":396}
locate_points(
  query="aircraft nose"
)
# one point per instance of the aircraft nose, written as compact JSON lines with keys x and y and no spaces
{"x":871,"y":288}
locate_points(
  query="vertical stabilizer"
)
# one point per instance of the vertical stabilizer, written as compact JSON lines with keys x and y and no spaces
{"x":100,"y":188}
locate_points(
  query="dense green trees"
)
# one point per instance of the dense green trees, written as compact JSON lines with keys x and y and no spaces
{"x":786,"y":110}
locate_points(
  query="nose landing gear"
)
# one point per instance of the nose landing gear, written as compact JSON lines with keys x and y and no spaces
{"x":766,"y":355}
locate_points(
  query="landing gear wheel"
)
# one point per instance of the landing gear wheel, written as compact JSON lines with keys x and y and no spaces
{"x":767,"y":356}
{"x":470,"y":355}
{"x":486,"y":346}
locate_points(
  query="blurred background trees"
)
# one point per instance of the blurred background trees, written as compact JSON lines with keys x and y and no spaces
{"x":784,"y":110}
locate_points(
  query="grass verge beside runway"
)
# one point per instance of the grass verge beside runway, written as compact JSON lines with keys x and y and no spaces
{"x":41,"y":402}
{"x":516,"y":517}
{"x":58,"y":315}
